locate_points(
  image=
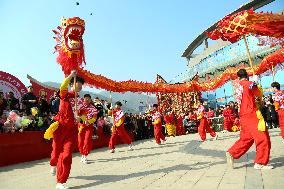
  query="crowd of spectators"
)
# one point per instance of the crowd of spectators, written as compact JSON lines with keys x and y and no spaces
{"x":138,"y":125}
{"x":40,"y":111}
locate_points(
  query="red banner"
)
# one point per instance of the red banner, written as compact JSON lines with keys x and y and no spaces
{"x":42,"y":89}
{"x":9,"y":83}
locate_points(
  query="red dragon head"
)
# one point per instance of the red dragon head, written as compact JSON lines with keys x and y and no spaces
{"x":70,"y":46}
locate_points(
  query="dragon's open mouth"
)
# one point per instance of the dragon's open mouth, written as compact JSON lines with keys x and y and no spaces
{"x":73,"y":37}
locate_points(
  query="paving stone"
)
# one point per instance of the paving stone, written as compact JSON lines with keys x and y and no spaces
{"x":183,"y":162}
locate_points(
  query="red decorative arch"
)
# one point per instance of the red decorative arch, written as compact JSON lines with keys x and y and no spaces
{"x":10,"y":83}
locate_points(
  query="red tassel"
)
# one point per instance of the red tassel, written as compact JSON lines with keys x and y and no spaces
{"x":57,"y":39}
{"x":56,"y":32}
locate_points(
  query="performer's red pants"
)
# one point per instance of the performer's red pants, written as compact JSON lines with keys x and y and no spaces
{"x":248,"y":135}
{"x":158,"y":133}
{"x":228,"y":124}
{"x":281,"y":121}
{"x":122,"y":133}
{"x":85,"y":142}
{"x":99,"y":131}
{"x":180,"y":130}
{"x":203,"y":128}
{"x":64,"y":143}
{"x":210,"y":122}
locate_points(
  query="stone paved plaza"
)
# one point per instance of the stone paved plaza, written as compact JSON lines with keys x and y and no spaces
{"x":183,"y":162}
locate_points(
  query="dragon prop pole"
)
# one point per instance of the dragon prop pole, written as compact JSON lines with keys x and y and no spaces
{"x":147,"y":102}
{"x":110,"y":98}
{"x":273,"y":73}
{"x":75,"y":99}
{"x":248,"y":53}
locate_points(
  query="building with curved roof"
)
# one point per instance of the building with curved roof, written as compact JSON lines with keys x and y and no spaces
{"x":215,"y":58}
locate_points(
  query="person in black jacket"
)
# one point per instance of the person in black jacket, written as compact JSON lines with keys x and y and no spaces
{"x":54,"y":103}
{"x":127,"y":123}
{"x":271,"y":115}
{"x":29,"y":100}
{"x":43,"y":106}
{"x":3,"y":103}
{"x":99,"y":106}
{"x":13,"y":103}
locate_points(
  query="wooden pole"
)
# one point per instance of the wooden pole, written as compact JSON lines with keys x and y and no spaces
{"x":147,"y":102}
{"x":225,"y":96}
{"x":273,"y":73}
{"x":248,"y":53}
{"x":75,"y":88}
{"x":216,"y":101}
{"x":110,"y":98}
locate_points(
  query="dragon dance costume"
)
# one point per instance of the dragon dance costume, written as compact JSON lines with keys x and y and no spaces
{"x":278,"y":98}
{"x":118,"y":129}
{"x":88,"y":114}
{"x":203,"y":124}
{"x":229,"y":118}
{"x":157,"y":122}
{"x":65,"y":133}
{"x":170,"y":124}
{"x":253,"y":127}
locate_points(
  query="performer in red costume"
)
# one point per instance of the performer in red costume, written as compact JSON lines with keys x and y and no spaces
{"x":192,"y":115}
{"x":203,"y":123}
{"x":210,"y":115}
{"x":157,"y":122}
{"x":227,"y":121}
{"x":236,"y":126}
{"x":180,"y":127}
{"x":278,"y":98}
{"x":170,"y":123}
{"x":118,"y":128}
{"x":252,"y":128}
{"x":66,"y":132}
{"x":229,"y":117}
{"x":88,"y":114}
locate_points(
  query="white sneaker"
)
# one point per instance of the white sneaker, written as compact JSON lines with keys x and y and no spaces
{"x":53,"y":170}
{"x":84,"y":160}
{"x":265,"y":167}
{"x":283,"y":141}
{"x":164,"y":141}
{"x":158,"y":144}
{"x":230,"y":160}
{"x":216,"y":137}
{"x":94,"y":137}
{"x":61,"y":186}
{"x":130,"y":147}
{"x":82,"y":157}
{"x":112,"y":151}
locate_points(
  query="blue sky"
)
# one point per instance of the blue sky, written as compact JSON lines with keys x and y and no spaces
{"x":124,"y":39}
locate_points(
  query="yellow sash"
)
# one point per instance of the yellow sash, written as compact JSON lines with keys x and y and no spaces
{"x":261,"y":123}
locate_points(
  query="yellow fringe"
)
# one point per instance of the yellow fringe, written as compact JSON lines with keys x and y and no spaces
{"x":261,"y":123}
{"x":49,"y":132}
{"x":171,"y":129}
